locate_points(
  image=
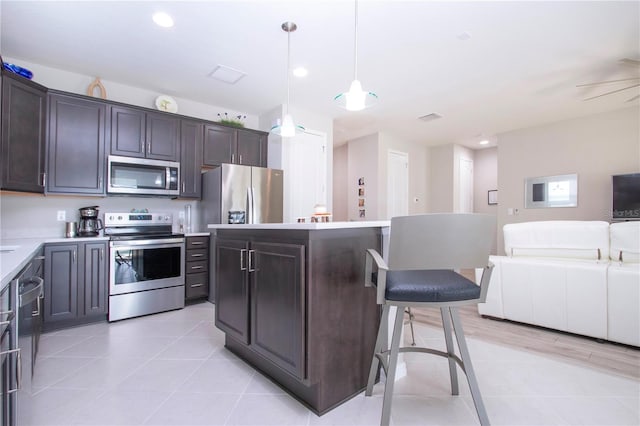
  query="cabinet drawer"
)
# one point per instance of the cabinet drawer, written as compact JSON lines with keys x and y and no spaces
{"x":197,"y":285}
{"x":197,"y":267}
{"x":197,"y":242}
{"x":201,"y":254}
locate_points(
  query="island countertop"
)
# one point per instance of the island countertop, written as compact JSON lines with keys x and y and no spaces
{"x":305,"y":225}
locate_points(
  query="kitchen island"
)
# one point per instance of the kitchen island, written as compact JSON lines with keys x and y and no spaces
{"x":292,"y":303}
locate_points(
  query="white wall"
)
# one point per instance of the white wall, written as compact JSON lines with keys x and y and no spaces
{"x":33,"y":215}
{"x":594,"y":147}
{"x":309,"y":120}
{"x":441,"y":179}
{"x":67,"y":81}
{"x":363,"y":163}
{"x":366,"y":157}
{"x":485,"y":164}
{"x":340,"y":180}
{"x":274,"y":148}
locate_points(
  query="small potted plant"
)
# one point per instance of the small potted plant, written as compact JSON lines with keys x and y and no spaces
{"x":235,"y":121}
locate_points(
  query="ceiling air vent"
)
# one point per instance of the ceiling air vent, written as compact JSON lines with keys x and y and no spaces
{"x":227,"y":74}
{"x":430,"y":117}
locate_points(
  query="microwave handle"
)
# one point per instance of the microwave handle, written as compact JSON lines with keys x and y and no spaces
{"x":167,"y":179}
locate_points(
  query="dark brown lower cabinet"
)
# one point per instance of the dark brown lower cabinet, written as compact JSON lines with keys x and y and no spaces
{"x":276,"y":273}
{"x":292,"y":303}
{"x":76,"y":286}
{"x":196,"y":268}
{"x":232,"y":288}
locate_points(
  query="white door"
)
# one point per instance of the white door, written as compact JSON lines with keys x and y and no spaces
{"x":397,"y":184}
{"x":304,"y":160}
{"x":465,"y":192}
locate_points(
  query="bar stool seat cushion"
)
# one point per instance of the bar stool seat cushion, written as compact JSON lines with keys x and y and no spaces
{"x":434,"y":285}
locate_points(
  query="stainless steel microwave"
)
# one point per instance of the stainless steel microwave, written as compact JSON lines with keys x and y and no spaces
{"x":141,"y":176}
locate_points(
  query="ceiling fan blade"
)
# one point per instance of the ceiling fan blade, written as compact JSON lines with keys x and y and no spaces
{"x":612,"y":92}
{"x":632,"y":62}
{"x":634,"y":98}
{"x":608,"y":81}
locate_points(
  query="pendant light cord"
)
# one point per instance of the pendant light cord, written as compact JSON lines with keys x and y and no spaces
{"x":288,"y":65}
{"x":355,"y":44}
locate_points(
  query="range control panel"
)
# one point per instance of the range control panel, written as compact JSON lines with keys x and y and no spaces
{"x":137,"y":219}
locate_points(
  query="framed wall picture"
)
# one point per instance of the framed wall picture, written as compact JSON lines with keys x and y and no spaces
{"x":551,"y":191}
{"x":360,"y":202}
{"x":492,"y":197}
{"x":360,"y":192}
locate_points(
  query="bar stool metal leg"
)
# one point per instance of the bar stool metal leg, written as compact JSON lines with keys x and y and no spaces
{"x":379,"y":350}
{"x":410,"y":321}
{"x":393,"y":362}
{"x":453,"y":371}
{"x":468,"y":368}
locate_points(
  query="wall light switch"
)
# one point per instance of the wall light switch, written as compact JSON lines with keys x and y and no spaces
{"x":510,"y":211}
{"x":62,"y":215}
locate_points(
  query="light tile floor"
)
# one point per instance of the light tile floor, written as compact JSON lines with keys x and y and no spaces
{"x":172,"y":369}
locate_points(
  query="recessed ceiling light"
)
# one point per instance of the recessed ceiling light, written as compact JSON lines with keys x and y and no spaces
{"x":163,"y":19}
{"x":300,"y":72}
{"x":484,"y":142}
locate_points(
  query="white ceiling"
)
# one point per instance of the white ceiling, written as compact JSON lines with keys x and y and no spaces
{"x":520,"y":67}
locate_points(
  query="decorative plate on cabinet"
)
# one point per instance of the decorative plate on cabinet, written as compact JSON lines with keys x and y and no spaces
{"x":166,"y":103}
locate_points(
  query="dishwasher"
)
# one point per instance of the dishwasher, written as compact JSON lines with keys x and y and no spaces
{"x":30,"y":295}
{"x":20,"y":321}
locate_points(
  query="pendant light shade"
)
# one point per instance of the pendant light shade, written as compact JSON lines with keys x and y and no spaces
{"x":286,"y":127}
{"x":356,"y":99}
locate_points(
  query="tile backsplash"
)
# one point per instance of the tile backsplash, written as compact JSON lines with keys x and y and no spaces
{"x":32,"y":215}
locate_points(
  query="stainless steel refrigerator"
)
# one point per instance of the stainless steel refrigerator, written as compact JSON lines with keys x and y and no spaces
{"x":241,"y":194}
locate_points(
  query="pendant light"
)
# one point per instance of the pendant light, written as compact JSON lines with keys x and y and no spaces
{"x":356,"y":99}
{"x":286,"y":128}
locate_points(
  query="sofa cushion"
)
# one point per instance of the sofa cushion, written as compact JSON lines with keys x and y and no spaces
{"x":625,"y":242}
{"x":558,"y":238}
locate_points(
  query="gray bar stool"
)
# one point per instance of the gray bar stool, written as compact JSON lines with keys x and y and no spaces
{"x":425,"y":253}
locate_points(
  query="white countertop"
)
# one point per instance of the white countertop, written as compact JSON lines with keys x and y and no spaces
{"x":197,"y":234}
{"x":306,"y":225}
{"x":23,"y":249}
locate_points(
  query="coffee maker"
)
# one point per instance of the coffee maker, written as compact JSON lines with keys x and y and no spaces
{"x":89,"y":223}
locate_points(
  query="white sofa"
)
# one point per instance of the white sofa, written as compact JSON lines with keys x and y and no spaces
{"x":582,"y":277}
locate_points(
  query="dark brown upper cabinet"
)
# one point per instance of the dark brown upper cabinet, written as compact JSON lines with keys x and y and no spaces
{"x":139,"y":133}
{"x":191,"y":133}
{"x":24,"y":108}
{"x":76,"y":155}
{"x":252,"y":148}
{"x":234,"y":146}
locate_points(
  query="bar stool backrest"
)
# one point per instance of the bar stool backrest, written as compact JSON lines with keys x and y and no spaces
{"x":441,"y":241}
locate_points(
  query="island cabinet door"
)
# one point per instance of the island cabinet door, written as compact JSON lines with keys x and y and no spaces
{"x":276,"y":272}
{"x":232,"y":291}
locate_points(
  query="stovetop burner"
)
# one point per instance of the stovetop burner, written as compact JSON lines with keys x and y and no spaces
{"x":139,"y":226}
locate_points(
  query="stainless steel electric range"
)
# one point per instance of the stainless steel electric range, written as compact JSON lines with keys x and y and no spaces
{"x":146,"y":264}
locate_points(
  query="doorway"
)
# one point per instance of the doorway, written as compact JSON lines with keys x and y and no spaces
{"x":397,"y":184}
{"x":304,"y":160}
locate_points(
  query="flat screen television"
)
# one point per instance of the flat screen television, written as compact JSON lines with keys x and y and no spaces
{"x":626,"y":196}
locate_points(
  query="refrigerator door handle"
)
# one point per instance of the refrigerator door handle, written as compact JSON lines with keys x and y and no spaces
{"x":250,"y":204}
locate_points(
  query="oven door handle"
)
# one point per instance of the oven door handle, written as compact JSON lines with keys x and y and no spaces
{"x":159,"y":243}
